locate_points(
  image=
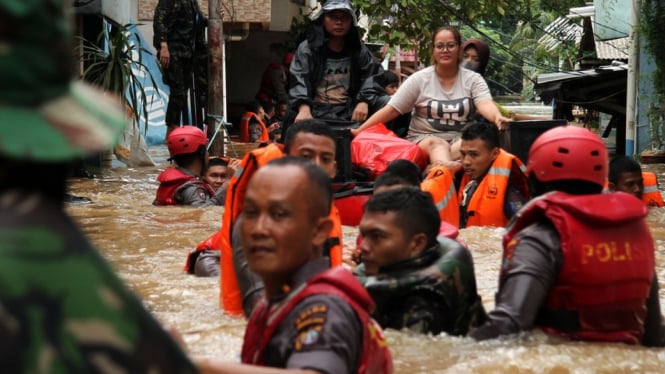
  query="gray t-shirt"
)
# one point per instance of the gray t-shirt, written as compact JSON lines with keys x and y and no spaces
{"x":434,"y":110}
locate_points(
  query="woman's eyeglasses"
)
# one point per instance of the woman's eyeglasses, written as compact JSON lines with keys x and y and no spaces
{"x":448,"y":46}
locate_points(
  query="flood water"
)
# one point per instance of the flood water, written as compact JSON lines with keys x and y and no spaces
{"x":148,"y":246}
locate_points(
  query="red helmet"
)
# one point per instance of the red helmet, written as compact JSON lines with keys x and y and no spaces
{"x":568,"y":152}
{"x":184,"y":140}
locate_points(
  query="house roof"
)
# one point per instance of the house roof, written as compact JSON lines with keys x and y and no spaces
{"x":602,"y":88}
{"x":568,"y":28}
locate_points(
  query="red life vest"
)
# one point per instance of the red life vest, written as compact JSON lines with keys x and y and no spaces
{"x":170,"y":180}
{"x":375,"y":356}
{"x":244,"y":128}
{"x":602,"y":287}
{"x":439,"y":183}
{"x":486,"y":207}
{"x":651,"y":195}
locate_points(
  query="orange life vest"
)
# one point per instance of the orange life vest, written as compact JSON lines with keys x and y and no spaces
{"x":230,"y":296}
{"x":486,"y":206}
{"x":244,"y":128}
{"x":439,"y":183}
{"x":651,"y":195}
{"x":609,"y":260}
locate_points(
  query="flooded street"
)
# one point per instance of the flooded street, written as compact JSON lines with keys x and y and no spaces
{"x":148,"y":247}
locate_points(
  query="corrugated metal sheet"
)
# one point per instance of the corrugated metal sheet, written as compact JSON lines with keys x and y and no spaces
{"x":616,"y":49}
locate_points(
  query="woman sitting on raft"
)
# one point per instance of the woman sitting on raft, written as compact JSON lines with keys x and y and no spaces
{"x":443,"y":98}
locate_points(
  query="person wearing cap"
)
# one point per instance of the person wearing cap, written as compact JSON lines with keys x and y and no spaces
{"x":183,"y":184}
{"x":418,"y":279}
{"x":274,"y":81}
{"x":62,"y":307}
{"x":577,"y":263}
{"x":332,"y":67}
{"x":182,"y":54}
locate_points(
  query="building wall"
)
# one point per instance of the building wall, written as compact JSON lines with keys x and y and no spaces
{"x":234,"y":10}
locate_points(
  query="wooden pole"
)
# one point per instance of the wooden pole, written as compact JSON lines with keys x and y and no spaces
{"x":215,"y":79}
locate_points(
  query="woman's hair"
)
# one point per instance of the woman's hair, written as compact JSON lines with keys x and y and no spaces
{"x":458,"y":39}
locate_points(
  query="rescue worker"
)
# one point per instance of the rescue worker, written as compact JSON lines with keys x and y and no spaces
{"x":178,"y":26}
{"x":492,"y":185}
{"x":182,"y":184}
{"x":310,"y":317}
{"x":62,"y":307}
{"x":576,"y":262}
{"x":310,"y":139}
{"x":275,"y":81}
{"x":417,"y":282}
{"x":626,"y":175}
{"x":252,"y":124}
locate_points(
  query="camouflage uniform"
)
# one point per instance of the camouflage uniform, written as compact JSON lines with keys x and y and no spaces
{"x":62,"y":308}
{"x":180,"y":23}
{"x":432,"y":293}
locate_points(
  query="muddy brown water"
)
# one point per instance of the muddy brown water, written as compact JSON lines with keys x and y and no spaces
{"x":147,"y":246}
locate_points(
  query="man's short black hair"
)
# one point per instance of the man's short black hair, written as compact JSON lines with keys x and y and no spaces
{"x":320,"y":186}
{"x":402,"y":172}
{"x":622,"y":164}
{"x":217,"y":161}
{"x":253,"y":106}
{"x":311,"y":126}
{"x":485,"y":131}
{"x":414,"y":208}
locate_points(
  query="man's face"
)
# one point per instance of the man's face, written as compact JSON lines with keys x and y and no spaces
{"x":279,"y":230}
{"x":337,"y":22}
{"x":477,"y":157}
{"x":316,"y":148}
{"x":630,"y":182}
{"x":281,"y":110}
{"x":215,"y":176}
{"x":384,"y":242}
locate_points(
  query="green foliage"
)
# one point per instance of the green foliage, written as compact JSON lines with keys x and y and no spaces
{"x":651,"y":27}
{"x":118,"y":68}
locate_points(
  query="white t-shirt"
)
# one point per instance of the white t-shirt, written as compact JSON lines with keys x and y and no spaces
{"x":435,"y":111}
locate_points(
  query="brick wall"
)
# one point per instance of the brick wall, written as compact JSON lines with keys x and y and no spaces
{"x":242,"y":10}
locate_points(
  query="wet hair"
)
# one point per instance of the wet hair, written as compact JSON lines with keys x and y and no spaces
{"x":456,"y":34}
{"x":310,"y":126}
{"x":485,"y":131}
{"x":319,"y":185}
{"x":414,"y":208}
{"x":399,"y":172}
{"x":217,"y":161}
{"x":571,"y":186}
{"x":253,"y":106}
{"x":622,"y":164}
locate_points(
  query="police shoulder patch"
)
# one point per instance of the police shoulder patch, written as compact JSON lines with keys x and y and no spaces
{"x":309,"y":326}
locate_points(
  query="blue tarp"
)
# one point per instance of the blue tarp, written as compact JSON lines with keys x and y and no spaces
{"x":156,"y":95}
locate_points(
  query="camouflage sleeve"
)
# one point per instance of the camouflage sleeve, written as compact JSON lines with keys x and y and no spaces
{"x":160,"y":22}
{"x":63,"y":310}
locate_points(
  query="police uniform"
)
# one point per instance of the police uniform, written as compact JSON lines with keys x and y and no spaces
{"x":321,"y":333}
{"x":433,"y":292}
{"x":533,"y":270}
